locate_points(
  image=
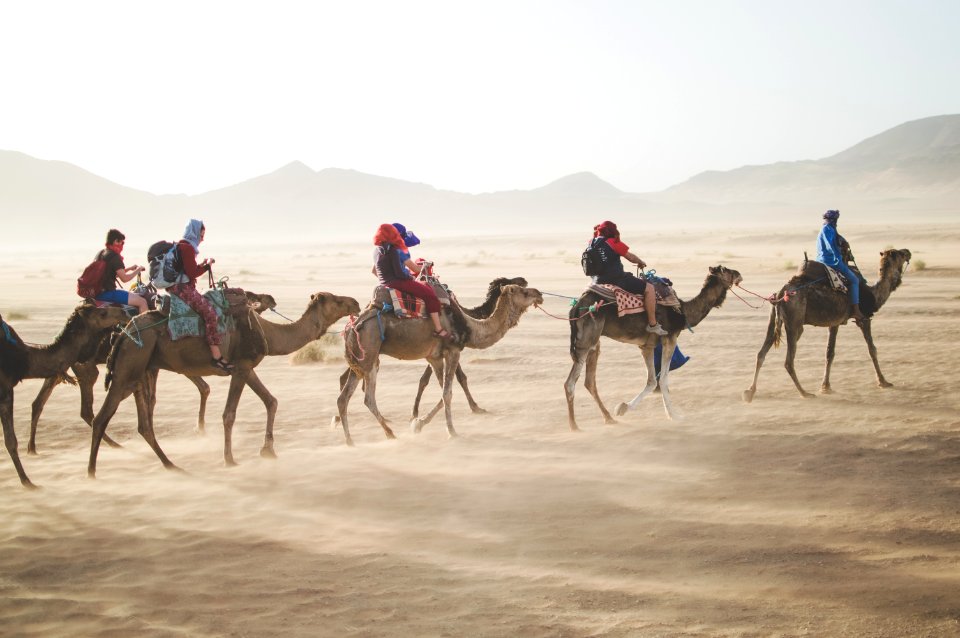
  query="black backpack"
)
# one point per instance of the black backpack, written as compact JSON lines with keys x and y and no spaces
{"x":592,"y":259}
{"x":166,"y":267}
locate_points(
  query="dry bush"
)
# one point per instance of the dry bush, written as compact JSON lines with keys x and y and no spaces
{"x":327,"y":348}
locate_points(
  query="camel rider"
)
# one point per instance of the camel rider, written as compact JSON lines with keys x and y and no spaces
{"x":116,"y":270}
{"x":394,"y":273}
{"x":606,"y":238}
{"x":830,"y":253}
{"x":188,"y":247}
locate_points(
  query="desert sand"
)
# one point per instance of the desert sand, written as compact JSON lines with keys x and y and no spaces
{"x":833,"y":516}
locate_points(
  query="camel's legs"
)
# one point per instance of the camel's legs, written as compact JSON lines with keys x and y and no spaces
{"x":270,"y":403}
{"x":650,"y":386}
{"x":370,"y":400}
{"x":237,"y":381}
{"x":10,"y":436}
{"x":425,"y":381}
{"x":866,"y":329}
{"x":570,"y":385}
{"x":450,"y":362}
{"x":831,"y":351}
{"x":350,"y":384}
{"x":204,"y":389}
{"x":669,"y":345}
{"x":99,"y":426}
{"x":793,"y":336}
{"x":37,"y":408}
{"x":761,"y":355}
{"x":590,"y":382}
{"x":144,"y":398}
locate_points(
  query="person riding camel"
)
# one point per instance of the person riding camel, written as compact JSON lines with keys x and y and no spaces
{"x":116,"y":270}
{"x":606,"y":238}
{"x":188,"y":247}
{"x":830,"y":253}
{"x":394,"y":271}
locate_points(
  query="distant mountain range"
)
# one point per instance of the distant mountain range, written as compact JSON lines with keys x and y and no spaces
{"x":914,"y":167}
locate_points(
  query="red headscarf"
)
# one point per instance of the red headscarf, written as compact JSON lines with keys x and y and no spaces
{"x":606,"y":229}
{"x":387,"y":234}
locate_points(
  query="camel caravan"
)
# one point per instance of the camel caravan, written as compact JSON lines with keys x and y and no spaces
{"x":136,"y":333}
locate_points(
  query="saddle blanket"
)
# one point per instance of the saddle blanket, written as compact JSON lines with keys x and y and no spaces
{"x":814,"y":271}
{"x":629,"y":303}
{"x":184,"y":322}
{"x":406,"y":306}
{"x":837,"y":281}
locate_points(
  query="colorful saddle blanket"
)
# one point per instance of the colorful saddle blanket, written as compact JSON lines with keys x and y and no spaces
{"x":184,"y":322}
{"x":629,"y":303}
{"x":814,"y":271}
{"x":406,"y":306}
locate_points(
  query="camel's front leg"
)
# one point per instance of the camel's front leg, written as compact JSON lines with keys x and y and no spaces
{"x":37,"y":408}
{"x":10,"y":435}
{"x":145,"y":399}
{"x":370,"y":400}
{"x":867,"y":331}
{"x":669,"y":345}
{"x":115,"y":395}
{"x":462,"y":380}
{"x":650,"y":386}
{"x":450,"y":362}
{"x":237,"y":381}
{"x":570,"y":385}
{"x":349,"y":383}
{"x":768,"y":342}
{"x":424,"y":382}
{"x":270,"y":403}
{"x":590,"y":383}
{"x":204,"y":389}
{"x":831,"y":351}
{"x":793,"y":336}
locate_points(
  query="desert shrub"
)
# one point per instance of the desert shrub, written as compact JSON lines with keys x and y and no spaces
{"x":919,"y":265}
{"x":789,"y":265}
{"x":327,"y":348}
{"x":17,"y":315}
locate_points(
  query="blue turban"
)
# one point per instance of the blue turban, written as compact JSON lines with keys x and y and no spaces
{"x":408,"y":237}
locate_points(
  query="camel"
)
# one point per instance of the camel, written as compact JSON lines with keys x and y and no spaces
{"x":85,"y":372}
{"x":411,"y":339}
{"x":587,"y":327}
{"x":82,"y":332}
{"x":819,"y":305}
{"x":133,"y":369}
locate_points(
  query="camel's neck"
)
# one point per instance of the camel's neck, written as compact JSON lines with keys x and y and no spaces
{"x":712,"y":294}
{"x":288,"y":338}
{"x":485,"y":309}
{"x":50,"y":360}
{"x":889,"y":281}
{"x":486,"y":332}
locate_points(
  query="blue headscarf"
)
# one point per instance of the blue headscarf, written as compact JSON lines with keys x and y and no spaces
{"x":407,"y":235}
{"x":831,"y":217}
{"x":192,"y":233}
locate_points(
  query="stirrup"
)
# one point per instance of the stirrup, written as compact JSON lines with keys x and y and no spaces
{"x":220,"y":364}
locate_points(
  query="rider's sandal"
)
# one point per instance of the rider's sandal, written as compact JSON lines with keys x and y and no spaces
{"x":220,"y":364}
{"x":443,"y":334}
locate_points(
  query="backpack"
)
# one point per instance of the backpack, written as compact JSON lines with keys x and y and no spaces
{"x":592,"y":259}
{"x":90,"y":282}
{"x":165,"y":266}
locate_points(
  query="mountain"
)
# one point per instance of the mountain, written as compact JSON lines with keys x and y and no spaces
{"x":914,"y":167}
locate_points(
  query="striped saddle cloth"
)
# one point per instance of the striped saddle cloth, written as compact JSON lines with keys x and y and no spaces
{"x":629,"y":303}
{"x":406,"y":306}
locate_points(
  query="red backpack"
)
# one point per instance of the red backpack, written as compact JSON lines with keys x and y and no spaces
{"x":90,"y":283}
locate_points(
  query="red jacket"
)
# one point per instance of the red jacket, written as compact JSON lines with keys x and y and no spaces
{"x":188,"y":257}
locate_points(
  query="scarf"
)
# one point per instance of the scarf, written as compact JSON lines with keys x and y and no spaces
{"x":191,"y":234}
{"x":387,"y":234}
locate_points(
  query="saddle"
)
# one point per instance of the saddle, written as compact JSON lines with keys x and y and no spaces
{"x":230,"y":304}
{"x":813,"y":271}
{"x":629,"y":303}
{"x":406,"y":306}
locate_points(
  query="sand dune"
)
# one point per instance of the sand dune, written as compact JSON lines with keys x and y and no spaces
{"x":786,"y":517}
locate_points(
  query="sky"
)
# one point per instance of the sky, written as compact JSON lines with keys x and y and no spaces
{"x":186,"y":97}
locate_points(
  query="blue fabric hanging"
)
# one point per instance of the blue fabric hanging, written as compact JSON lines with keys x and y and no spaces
{"x":676,"y":361}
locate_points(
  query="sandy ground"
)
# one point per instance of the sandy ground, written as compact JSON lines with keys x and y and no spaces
{"x":833,"y":516}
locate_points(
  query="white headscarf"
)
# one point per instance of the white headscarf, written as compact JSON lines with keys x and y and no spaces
{"x":192,"y":233}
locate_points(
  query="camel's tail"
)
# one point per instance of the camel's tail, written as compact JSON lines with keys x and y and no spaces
{"x":776,"y":321}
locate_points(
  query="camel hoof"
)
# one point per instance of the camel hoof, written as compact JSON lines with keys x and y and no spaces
{"x":747,"y":396}
{"x":621,"y":409}
{"x":267,"y":452}
{"x":335,"y":423}
{"x":808,"y":395}
{"x":200,"y":430}
{"x":29,"y":485}
{"x":826,"y":390}
{"x":349,"y":442}
{"x":574,"y":428}
{"x":884,"y":384}
{"x":230,"y":463}
{"x":112,"y":444}
{"x":610,"y":421}
{"x":417,"y":424}
{"x":32,"y":451}
{"x":452,"y":435}
{"x":479,"y":410}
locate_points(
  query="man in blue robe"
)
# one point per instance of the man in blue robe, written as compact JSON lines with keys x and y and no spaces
{"x":830,"y":254}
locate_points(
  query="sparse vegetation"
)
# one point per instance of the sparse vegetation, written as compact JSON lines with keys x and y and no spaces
{"x":327,"y":348}
{"x":246,"y":273}
{"x":17,"y":315}
{"x":789,"y":265}
{"x":919,"y":265}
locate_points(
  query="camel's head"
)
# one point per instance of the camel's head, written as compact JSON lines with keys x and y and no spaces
{"x":334,"y":306}
{"x":894,"y":258}
{"x":98,"y":319}
{"x":522,"y":296}
{"x":728,"y":276}
{"x":260,"y":303}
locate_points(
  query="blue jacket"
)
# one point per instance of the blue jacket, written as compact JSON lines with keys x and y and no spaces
{"x":828,"y":246}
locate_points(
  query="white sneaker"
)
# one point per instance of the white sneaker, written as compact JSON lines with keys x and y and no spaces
{"x":657,"y":330}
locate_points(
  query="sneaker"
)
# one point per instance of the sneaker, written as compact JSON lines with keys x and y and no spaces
{"x":657,"y":329}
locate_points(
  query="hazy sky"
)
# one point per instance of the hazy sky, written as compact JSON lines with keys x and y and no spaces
{"x":177,"y":97}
